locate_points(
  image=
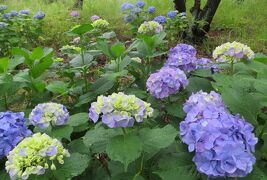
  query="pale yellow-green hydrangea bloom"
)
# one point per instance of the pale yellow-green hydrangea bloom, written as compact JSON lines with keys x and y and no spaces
{"x":73,"y":49}
{"x":100,"y":24}
{"x":34,"y":155}
{"x":150,"y":27}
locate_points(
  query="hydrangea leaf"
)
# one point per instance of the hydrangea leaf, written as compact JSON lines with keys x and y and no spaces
{"x":175,"y":110}
{"x":78,"y":119}
{"x":102,"y":85}
{"x":124,"y":149}
{"x":158,"y":138}
{"x":72,"y":167}
{"x":78,"y":146}
{"x":57,"y":87}
{"x":62,"y":132}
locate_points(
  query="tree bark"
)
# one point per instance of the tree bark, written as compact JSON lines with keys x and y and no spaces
{"x":78,"y":4}
{"x":180,"y":5}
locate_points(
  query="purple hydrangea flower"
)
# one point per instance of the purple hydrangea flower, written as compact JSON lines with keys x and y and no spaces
{"x":172,"y":14}
{"x":137,"y":10}
{"x":94,"y":18}
{"x":151,"y":10}
{"x":7,"y":15}
{"x":49,"y":113}
{"x":24,"y":12}
{"x":207,"y":64}
{"x":160,"y":19}
{"x":12,"y":130}
{"x":223,"y":142}
{"x":166,"y":81}
{"x":127,"y":6}
{"x":182,"y":56}
{"x":140,"y":4}
{"x":14,"y":13}
{"x":75,"y":14}
{"x":3,"y":24}
{"x":39,"y":15}
{"x":128,"y":18}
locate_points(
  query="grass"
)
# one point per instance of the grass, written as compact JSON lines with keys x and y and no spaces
{"x":244,"y":22}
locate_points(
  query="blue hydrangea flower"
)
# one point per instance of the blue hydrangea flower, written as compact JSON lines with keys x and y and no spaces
{"x":3,"y":7}
{"x":127,"y":6}
{"x":160,"y":19}
{"x":140,"y":4}
{"x":43,"y":115}
{"x":12,"y":130}
{"x":7,"y":15}
{"x":207,"y":64}
{"x":119,"y":110}
{"x":151,"y":10}
{"x":172,"y":14}
{"x":94,"y":18}
{"x":3,"y":24}
{"x":14,"y":13}
{"x":182,"y":56}
{"x":223,"y":143}
{"x":165,"y":82}
{"x":39,"y":15}
{"x":24,"y":12}
{"x":128,"y":18}
{"x":137,"y":10}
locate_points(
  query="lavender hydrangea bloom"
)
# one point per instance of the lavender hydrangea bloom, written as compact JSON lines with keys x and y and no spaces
{"x":207,"y":64}
{"x":7,"y":15}
{"x":49,"y":113}
{"x":137,"y":10}
{"x":140,"y":4}
{"x":94,"y":18}
{"x":172,"y":14}
{"x":223,"y":142}
{"x":14,"y":13}
{"x":39,"y":15}
{"x":160,"y":19}
{"x":166,"y":81}
{"x":151,"y":10}
{"x":75,"y":14}
{"x":184,"y":48}
{"x":127,"y":6}
{"x":12,"y":130}
{"x":3,"y":24}
{"x":24,"y":12}
{"x":129,"y":18}
{"x":119,"y":110}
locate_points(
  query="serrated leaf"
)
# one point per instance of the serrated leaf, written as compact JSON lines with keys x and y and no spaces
{"x":102,"y":85}
{"x":72,"y":167}
{"x":78,"y":119}
{"x":78,"y":146}
{"x":124,"y":149}
{"x":62,"y":132}
{"x":80,"y":29}
{"x":57,"y":87}
{"x":175,"y":110}
{"x":158,"y":138}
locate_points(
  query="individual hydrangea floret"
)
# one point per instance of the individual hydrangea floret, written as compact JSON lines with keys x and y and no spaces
{"x":3,"y":7}
{"x":34,"y":155}
{"x":151,"y":9}
{"x":46,"y":114}
{"x":150,"y":28}
{"x":160,"y":19}
{"x":182,"y":56}
{"x":172,"y":14}
{"x":140,"y":4}
{"x":223,"y":143}
{"x":128,"y":18}
{"x":74,"y":13}
{"x":39,"y":15}
{"x":14,"y":13}
{"x":127,"y":6}
{"x":205,"y":63}
{"x":234,"y":51}
{"x":24,"y":12}
{"x":3,"y":24}
{"x":100,"y":24}
{"x":94,"y":18}
{"x":165,"y":82}
{"x":119,"y":110}
{"x":12,"y":130}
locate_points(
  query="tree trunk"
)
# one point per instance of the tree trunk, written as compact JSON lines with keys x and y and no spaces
{"x":78,"y":4}
{"x":180,"y":5}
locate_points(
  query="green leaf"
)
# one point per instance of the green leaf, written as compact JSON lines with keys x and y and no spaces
{"x":80,"y":29}
{"x":102,"y":85}
{"x":78,"y":147}
{"x":118,"y":49}
{"x":62,"y":132}
{"x":124,"y":149}
{"x":196,"y":84}
{"x":38,"y":69}
{"x":77,"y":61}
{"x":57,"y":87}
{"x":158,"y":138}
{"x":78,"y":119}
{"x":4,"y":64}
{"x":104,"y":47}
{"x":73,"y":166}
{"x":175,"y":110}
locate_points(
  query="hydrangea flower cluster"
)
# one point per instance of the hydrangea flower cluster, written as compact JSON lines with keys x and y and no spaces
{"x":94,"y":18}
{"x":3,"y":24}
{"x":207,"y":64}
{"x":119,"y":110}
{"x":127,"y":6}
{"x":165,"y":82}
{"x":14,"y":13}
{"x":223,"y":143}
{"x":100,"y":24}
{"x":46,"y":114}
{"x":232,"y":52}
{"x":12,"y":130}
{"x":140,"y":4}
{"x":24,"y":12}
{"x":151,"y":9}
{"x":39,"y":15}
{"x":172,"y":14}
{"x":74,"y":13}
{"x":150,"y":28}
{"x":160,"y":19}
{"x":34,"y":155}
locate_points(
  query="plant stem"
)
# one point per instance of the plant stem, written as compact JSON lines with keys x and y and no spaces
{"x":141,"y":168}
{"x":124,"y":131}
{"x":84,"y":70}
{"x":232,"y":68}
{"x":6,"y":104}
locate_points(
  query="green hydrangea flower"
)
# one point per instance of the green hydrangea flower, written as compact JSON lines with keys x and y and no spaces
{"x":100,"y":24}
{"x":71,"y":49}
{"x":150,"y":28}
{"x":34,"y":155}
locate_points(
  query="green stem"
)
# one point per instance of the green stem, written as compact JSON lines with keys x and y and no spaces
{"x":84,"y":70}
{"x":124,"y":131}
{"x":6,"y":104}
{"x":141,"y":168}
{"x":232,"y":68}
